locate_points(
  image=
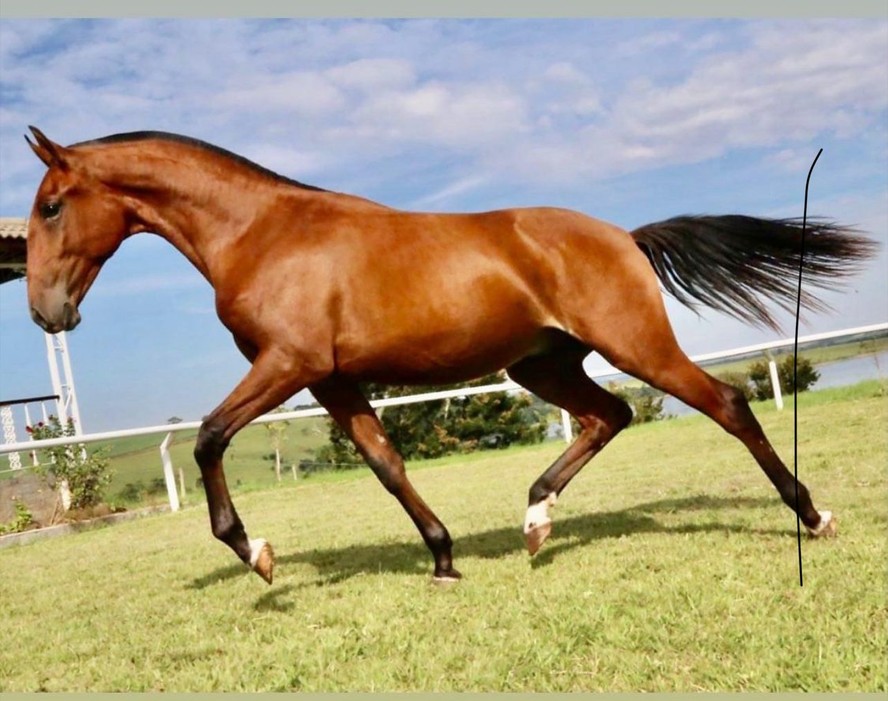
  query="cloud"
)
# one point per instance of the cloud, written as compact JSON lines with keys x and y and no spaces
{"x":335,"y":99}
{"x":298,"y":94}
{"x":447,"y":193}
{"x":462,"y":117}
{"x":371,"y":74}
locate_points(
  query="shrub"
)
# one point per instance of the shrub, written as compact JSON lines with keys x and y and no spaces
{"x":87,"y":474}
{"x":646,"y":402}
{"x":760,"y":376}
{"x":23,"y":519}
{"x":442,"y":427}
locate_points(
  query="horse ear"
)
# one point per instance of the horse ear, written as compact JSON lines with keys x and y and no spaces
{"x":47,"y":151}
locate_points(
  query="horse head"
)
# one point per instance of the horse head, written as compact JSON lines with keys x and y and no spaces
{"x":76,"y":224}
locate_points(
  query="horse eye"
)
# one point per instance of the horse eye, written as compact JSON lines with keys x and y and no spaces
{"x":48,"y":210}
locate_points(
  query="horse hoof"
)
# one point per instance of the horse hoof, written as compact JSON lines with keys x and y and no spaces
{"x":536,"y":536}
{"x":538,"y":524}
{"x":827,"y":527}
{"x":262,"y":559}
{"x":446,"y":578}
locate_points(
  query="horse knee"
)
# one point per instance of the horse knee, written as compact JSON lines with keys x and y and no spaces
{"x":210,"y":444}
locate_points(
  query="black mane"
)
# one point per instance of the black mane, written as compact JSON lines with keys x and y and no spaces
{"x":190,"y":141}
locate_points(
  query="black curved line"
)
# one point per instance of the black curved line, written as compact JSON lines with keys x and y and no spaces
{"x":795,"y":367}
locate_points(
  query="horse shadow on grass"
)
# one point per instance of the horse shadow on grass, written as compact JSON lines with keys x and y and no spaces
{"x":334,"y":565}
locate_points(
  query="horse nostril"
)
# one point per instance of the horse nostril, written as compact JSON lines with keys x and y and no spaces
{"x":38,"y":319}
{"x":72,"y":316}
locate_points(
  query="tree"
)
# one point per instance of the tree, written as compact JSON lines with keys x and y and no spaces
{"x":441,"y":427}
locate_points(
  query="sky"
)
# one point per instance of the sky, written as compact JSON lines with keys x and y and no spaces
{"x":628,"y":120}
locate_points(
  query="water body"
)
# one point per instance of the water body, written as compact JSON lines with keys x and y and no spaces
{"x":837,"y":373}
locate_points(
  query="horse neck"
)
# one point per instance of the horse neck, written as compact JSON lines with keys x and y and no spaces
{"x":197,"y":202}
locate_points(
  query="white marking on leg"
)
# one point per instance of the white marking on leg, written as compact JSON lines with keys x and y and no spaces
{"x":538,"y":514}
{"x":255,"y":550}
{"x":825,"y":520}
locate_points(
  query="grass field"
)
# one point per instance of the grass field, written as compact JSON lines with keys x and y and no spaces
{"x":672,"y":566}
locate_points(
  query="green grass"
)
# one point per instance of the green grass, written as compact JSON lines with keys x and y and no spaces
{"x":672,"y":566}
{"x":248,"y":464}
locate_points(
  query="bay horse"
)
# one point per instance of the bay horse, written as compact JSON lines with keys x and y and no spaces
{"x":323,"y":290}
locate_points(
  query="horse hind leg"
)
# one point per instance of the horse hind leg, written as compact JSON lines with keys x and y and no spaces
{"x":668,"y":369}
{"x":559,"y":378}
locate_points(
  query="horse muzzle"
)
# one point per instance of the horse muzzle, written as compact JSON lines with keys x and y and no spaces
{"x":64,"y":319}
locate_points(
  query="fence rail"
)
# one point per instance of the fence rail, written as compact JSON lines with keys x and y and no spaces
{"x":168,"y":429}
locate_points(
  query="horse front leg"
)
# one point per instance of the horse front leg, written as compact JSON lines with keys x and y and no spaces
{"x":271,"y":381}
{"x":351,"y":410}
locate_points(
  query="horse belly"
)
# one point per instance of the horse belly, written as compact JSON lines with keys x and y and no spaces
{"x":427,"y":350}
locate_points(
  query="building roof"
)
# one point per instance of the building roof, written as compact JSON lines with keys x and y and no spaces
{"x":13,"y":257}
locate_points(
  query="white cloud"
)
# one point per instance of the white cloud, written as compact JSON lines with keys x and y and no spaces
{"x":298,"y":94}
{"x":443,"y":195}
{"x":333,"y":97}
{"x":465,"y":117}
{"x":370,"y":74}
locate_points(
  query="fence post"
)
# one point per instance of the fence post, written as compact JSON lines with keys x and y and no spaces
{"x":565,"y":424}
{"x":168,"y":475}
{"x":775,"y":381}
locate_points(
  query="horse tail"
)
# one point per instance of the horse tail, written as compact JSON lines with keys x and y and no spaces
{"x":733,"y":262}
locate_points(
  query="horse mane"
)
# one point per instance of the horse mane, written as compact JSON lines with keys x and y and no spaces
{"x":197,"y":143}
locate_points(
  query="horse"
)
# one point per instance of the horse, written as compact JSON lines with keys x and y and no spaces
{"x":324,"y":290}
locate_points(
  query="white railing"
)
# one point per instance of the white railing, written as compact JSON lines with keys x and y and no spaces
{"x":509,"y":386}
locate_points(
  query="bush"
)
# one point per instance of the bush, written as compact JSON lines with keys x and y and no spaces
{"x":760,"y":376}
{"x":442,"y":427}
{"x":87,"y":474}
{"x":22,"y":521}
{"x":646,"y":402}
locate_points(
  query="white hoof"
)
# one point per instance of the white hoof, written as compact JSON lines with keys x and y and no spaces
{"x":256,"y":550}
{"x":826,"y":527}
{"x":538,"y":514}
{"x":262,"y":559}
{"x":538,"y":524}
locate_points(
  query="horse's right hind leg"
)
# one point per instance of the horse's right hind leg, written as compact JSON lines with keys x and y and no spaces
{"x":671,"y":371}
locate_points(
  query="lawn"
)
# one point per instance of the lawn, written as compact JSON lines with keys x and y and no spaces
{"x":673,"y":566}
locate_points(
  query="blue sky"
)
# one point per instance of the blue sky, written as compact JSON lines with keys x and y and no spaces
{"x":628,"y":120}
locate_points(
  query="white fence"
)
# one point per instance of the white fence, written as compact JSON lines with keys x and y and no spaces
{"x":169,"y":429}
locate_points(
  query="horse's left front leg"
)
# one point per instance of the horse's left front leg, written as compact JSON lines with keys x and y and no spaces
{"x":271,"y":381}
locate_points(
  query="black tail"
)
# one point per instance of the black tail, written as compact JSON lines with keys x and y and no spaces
{"x":732,"y":263}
